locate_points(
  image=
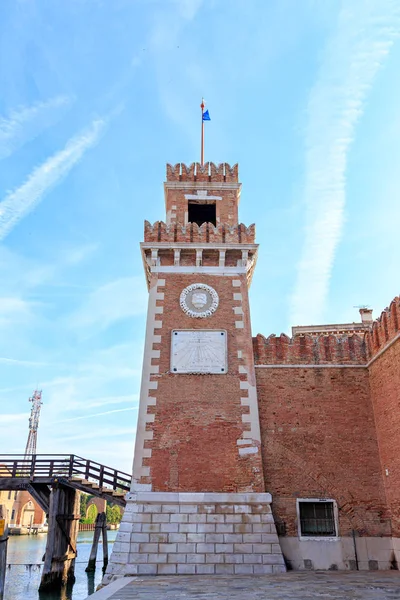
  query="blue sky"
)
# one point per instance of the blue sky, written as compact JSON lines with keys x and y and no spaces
{"x":97,"y":96}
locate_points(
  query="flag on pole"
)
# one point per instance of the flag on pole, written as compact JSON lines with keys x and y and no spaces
{"x":206,"y":116}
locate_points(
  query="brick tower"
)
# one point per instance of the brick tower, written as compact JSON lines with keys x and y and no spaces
{"x":198,"y":501}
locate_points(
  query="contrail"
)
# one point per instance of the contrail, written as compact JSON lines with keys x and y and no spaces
{"x":353,"y":56}
{"x":19,"y":203}
{"x":98,"y":414}
{"x":26,"y":123}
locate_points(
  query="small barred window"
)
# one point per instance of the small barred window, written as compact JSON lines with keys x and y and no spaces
{"x":317,"y":519}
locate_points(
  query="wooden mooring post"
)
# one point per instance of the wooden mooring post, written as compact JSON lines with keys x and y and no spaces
{"x":59,"y":561}
{"x":100,"y":527}
{"x":105,"y":546}
{"x":3,"y":548}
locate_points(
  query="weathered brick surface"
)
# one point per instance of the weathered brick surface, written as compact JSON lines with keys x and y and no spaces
{"x":319,"y":440}
{"x":384,"y":372}
{"x":208,"y":178}
{"x":20,"y":504}
{"x":307,"y":349}
{"x":334,"y":432}
{"x":384,"y":329}
{"x":198,"y":418}
{"x":207,"y":172}
{"x":223,"y":233}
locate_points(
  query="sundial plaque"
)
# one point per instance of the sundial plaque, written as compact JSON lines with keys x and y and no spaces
{"x":199,"y":351}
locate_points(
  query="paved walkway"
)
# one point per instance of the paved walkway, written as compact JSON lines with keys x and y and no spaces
{"x":304,"y":585}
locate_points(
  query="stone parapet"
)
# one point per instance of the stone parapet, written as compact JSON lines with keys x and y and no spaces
{"x":168,"y":533}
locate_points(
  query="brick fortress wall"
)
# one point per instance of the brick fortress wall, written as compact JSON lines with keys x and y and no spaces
{"x":383,"y":349}
{"x":318,"y":431}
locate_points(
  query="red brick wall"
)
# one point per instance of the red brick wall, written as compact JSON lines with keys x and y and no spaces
{"x":319,"y":440}
{"x":226,"y":210}
{"x":384,"y":329}
{"x":99,"y":503}
{"x":198,"y":418}
{"x":23,"y":498}
{"x":192,"y":233}
{"x":306,"y":349}
{"x":384,"y":374}
{"x":207,"y":172}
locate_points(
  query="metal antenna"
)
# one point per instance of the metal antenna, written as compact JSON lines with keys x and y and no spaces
{"x":36,"y":400}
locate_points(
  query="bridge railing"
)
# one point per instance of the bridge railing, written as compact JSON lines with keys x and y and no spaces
{"x":52,"y":466}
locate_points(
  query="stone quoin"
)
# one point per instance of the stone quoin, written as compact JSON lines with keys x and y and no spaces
{"x":253,"y":455}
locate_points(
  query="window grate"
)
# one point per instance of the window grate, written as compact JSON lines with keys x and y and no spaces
{"x":317,"y":519}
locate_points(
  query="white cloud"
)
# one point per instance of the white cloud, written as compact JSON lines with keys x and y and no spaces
{"x":21,"y":201}
{"x":11,"y":418}
{"x":25,"y":123}
{"x":12,"y":305}
{"x":169,"y":22}
{"x":114,"y":301}
{"x":98,"y":414}
{"x":115,"y":452}
{"x":98,"y":434}
{"x":188,"y":8}
{"x":105,"y":401}
{"x":364,"y":36}
{"x":79,"y":254}
{"x":99,"y":381}
{"x":118,"y":454}
{"x":88,"y":401}
{"x":13,"y":310}
{"x":22,"y":363}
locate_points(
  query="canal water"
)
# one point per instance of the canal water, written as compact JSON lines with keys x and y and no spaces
{"x":22,"y":582}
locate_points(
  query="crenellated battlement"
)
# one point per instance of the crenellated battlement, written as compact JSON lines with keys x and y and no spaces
{"x":384,"y":329}
{"x":326,"y":349}
{"x":207,"y":172}
{"x":307,"y":349}
{"x":205,"y":233}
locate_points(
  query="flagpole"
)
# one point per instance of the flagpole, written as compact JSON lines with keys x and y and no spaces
{"x":202,"y":133}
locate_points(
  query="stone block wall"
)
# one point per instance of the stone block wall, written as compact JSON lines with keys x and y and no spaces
{"x":196,"y":533}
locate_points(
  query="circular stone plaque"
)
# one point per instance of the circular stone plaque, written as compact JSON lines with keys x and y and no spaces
{"x":199,"y":300}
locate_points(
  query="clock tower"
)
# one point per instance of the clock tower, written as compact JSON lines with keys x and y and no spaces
{"x":198,"y":503}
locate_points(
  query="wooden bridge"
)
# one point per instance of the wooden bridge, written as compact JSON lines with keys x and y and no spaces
{"x":55,"y":481}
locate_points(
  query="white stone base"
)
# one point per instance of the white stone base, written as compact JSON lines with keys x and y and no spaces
{"x":195,"y":533}
{"x":365,"y":554}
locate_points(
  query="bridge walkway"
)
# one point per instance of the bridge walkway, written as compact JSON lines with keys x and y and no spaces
{"x":54,"y":482}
